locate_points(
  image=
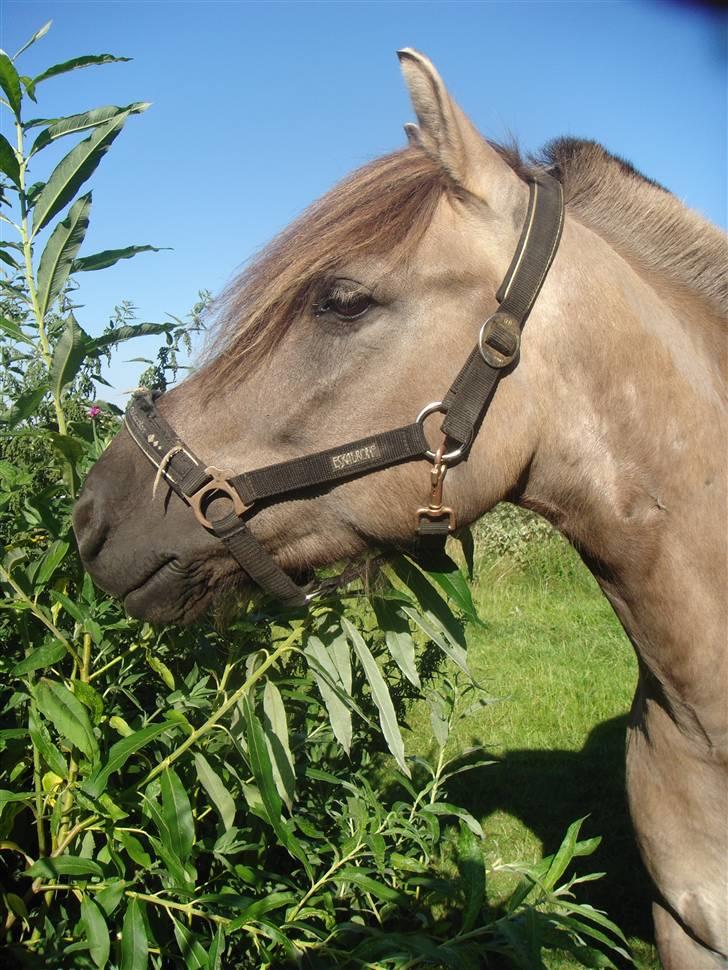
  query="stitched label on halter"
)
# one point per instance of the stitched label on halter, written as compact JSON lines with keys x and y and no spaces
{"x":355,"y":457}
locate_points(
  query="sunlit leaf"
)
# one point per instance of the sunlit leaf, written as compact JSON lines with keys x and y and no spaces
{"x":73,"y":170}
{"x":398,"y":637}
{"x":221,"y":797}
{"x":380,"y":694}
{"x":68,"y":715}
{"x":444,"y":808}
{"x":275,"y":726}
{"x":81,"y":122}
{"x":177,"y":813}
{"x":87,"y":60}
{"x":110,"y":256}
{"x":10,"y":83}
{"x":457,"y":588}
{"x":339,"y":713}
{"x":377,"y":889}
{"x":55,"y":555}
{"x":128,"y":332}
{"x":9,"y":161}
{"x":261,"y":767}
{"x":119,"y":754}
{"x":60,"y":252}
{"x":68,"y":355}
{"x":40,"y":658}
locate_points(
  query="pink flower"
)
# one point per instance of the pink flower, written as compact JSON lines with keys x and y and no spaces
{"x":94,"y":411}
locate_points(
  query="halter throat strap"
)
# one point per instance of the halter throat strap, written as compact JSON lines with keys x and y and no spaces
{"x":464,"y":407}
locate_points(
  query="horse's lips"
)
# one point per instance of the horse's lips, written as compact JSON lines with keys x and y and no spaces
{"x":145,"y":596}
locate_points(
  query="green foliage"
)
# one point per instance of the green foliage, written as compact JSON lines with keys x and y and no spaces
{"x":205,"y":797}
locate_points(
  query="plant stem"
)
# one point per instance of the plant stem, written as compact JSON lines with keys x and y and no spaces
{"x":38,"y":614}
{"x":112,"y":663}
{"x":285,"y":647}
{"x":185,"y":908}
{"x":44,"y":345}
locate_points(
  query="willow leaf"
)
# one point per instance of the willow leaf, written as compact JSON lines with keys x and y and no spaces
{"x":87,"y":60}
{"x":41,"y":658}
{"x":398,"y":637}
{"x":120,"y":753}
{"x":97,"y":932}
{"x":275,"y":724}
{"x":177,"y":813}
{"x":36,"y":36}
{"x":380,"y":693}
{"x":63,"y":865}
{"x":108,"y":257}
{"x":10,"y":83}
{"x":134,"y":945}
{"x":68,"y":355}
{"x":430,"y":625}
{"x":325,"y":674}
{"x":221,"y":797}
{"x":472,"y":877}
{"x":73,"y":170}
{"x":262,"y":770}
{"x":85,"y":121}
{"x":60,"y":252}
{"x":9,"y":161}
{"x":68,"y":716}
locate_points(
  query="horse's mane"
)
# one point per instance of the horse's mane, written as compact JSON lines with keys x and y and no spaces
{"x":648,"y":225}
{"x":383,"y":207}
{"x":386,"y":206}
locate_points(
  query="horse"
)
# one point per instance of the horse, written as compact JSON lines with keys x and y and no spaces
{"x":609,"y":420}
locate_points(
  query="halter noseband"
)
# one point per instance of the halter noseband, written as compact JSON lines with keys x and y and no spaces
{"x":463,"y":406}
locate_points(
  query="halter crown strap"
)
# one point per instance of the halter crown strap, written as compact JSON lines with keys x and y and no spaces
{"x":464,"y":407}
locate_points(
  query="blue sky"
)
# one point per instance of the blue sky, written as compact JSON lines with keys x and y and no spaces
{"x":258,"y":108}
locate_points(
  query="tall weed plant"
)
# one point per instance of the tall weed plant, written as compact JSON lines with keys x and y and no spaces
{"x":204,"y":797}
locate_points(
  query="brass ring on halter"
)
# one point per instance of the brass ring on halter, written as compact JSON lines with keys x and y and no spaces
{"x":449,"y":456}
{"x":218,"y":486}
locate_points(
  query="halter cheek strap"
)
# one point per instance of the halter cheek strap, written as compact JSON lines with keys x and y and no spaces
{"x":463,"y":407}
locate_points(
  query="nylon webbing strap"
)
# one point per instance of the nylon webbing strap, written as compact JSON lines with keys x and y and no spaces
{"x":473,"y":388}
{"x":260,"y":567}
{"x":333,"y":464}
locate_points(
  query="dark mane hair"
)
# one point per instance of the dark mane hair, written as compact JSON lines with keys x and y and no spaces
{"x":641,"y":219}
{"x":384,"y":207}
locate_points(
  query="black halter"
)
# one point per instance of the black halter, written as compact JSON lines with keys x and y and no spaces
{"x":464,"y":406}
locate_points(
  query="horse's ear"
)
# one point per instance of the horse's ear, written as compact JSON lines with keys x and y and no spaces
{"x":447,"y":135}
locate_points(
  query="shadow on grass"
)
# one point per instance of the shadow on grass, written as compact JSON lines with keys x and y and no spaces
{"x":546,"y":790}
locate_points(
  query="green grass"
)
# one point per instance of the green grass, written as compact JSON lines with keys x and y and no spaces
{"x":564,"y":672}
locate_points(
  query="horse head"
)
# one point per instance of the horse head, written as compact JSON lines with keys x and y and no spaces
{"x":356,"y":317}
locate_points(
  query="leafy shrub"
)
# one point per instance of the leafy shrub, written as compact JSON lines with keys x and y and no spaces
{"x":213,"y":797}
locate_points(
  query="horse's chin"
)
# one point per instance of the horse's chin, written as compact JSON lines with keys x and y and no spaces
{"x":176,"y":594}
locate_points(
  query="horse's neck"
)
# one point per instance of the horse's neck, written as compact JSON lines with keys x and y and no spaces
{"x":631,"y":467}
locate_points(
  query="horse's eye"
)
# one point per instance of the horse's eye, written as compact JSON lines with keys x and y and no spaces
{"x":346,"y":300}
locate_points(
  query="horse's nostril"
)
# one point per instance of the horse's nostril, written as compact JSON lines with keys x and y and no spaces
{"x":90,"y":534}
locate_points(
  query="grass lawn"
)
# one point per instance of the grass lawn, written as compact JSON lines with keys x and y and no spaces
{"x":553,"y":653}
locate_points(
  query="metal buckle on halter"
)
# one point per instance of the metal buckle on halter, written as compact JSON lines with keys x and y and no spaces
{"x":499,"y":339}
{"x":435,"y":510}
{"x":218,"y":486}
{"x":436,"y":407}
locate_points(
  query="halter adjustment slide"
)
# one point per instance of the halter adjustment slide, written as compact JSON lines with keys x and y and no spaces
{"x":500,"y":339}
